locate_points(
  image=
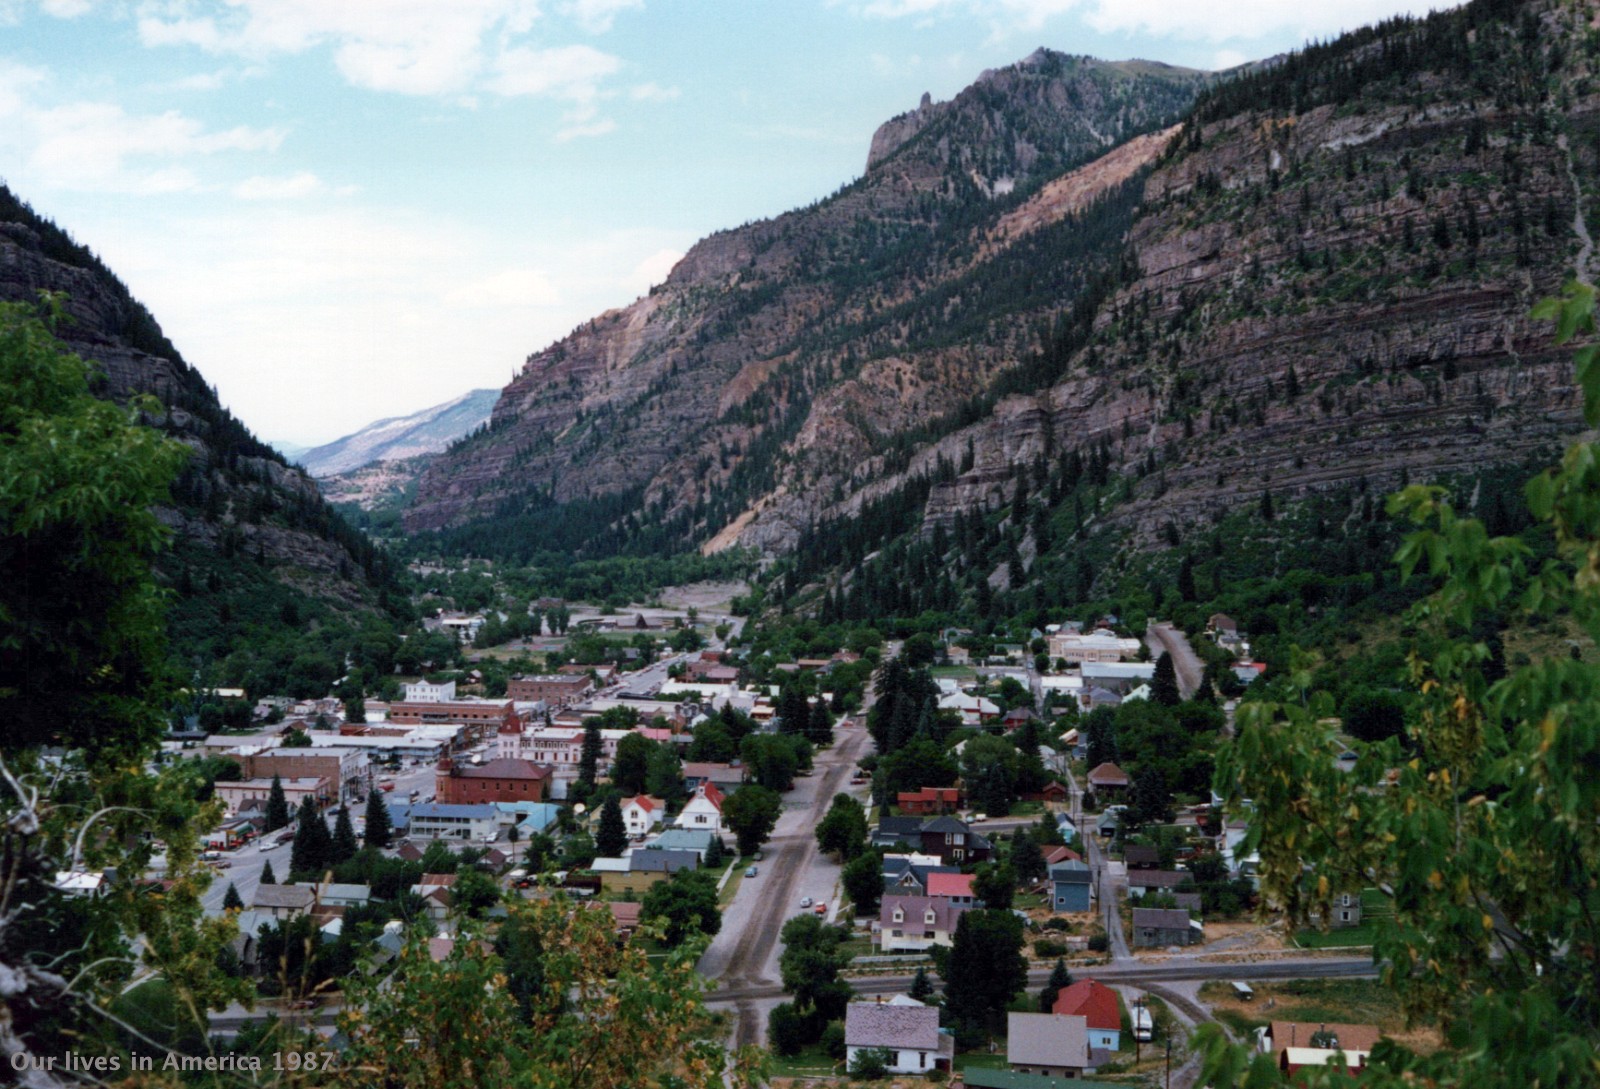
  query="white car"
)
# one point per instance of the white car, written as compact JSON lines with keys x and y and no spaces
{"x":805,"y":902}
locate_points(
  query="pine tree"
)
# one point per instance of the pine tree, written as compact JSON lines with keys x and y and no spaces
{"x":921,"y":988}
{"x":820,"y":730}
{"x":379,"y":828}
{"x":716,"y":854}
{"x":267,"y":876}
{"x":277,"y":806}
{"x":589,"y":758}
{"x":231,"y":900}
{"x":1164,"y":688}
{"x":344,"y":838}
{"x":1060,"y":980}
{"x":612,"y":838}
{"x":313,"y":847}
{"x":1186,"y":587}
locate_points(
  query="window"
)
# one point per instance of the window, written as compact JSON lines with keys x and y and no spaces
{"x":928,"y":917}
{"x":899,"y":916}
{"x":1344,"y":916}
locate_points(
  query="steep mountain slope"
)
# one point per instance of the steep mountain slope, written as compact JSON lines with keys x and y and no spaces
{"x":400,"y":437}
{"x":250,"y":533}
{"x":680,"y":407}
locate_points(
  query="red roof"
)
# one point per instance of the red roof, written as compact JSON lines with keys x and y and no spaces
{"x":713,"y":795}
{"x":950,"y":884}
{"x":1061,"y":854}
{"x":1094,"y":1002}
{"x":644,"y":802}
{"x":506,"y":767}
{"x":1110,"y":774}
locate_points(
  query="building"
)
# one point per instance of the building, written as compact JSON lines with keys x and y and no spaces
{"x":559,"y":690}
{"x":445,"y":820}
{"x":916,"y":923}
{"x":910,"y":1034}
{"x":253,"y":793}
{"x":282,"y":901}
{"x":642,"y":813}
{"x":479,"y":713}
{"x":682,"y":839}
{"x":1097,"y":1005}
{"x":1075,"y":648}
{"x":946,"y":837}
{"x":642,"y":869}
{"x":929,"y":800}
{"x":346,"y":768}
{"x":500,"y":780}
{"x":1071,"y":886}
{"x":1155,"y":882}
{"x":1052,"y":1044}
{"x":1140,"y":856}
{"x":954,"y":887}
{"x":423,"y":692}
{"x":1295,"y":1044}
{"x":703,"y":812}
{"x":1107,"y":778}
{"x":1159,"y":927}
{"x":727,"y":777}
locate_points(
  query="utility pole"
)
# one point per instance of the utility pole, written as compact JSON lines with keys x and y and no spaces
{"x":1169,"y":1062}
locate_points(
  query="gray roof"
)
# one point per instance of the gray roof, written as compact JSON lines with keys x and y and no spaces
{"x":1047,"y":1039}
{"x":899,"y":826}
{"x":1071,"y":872}
{"x":683,"y":839}
{"x":1160,"y":879}
{"x":663,"y":861}
{"x":946,"y":824}
{"x":868,"y":1024}
{"x":1161,"y":918}
{"x":484,"y":811}
{"x":283,"y":896}
{"x":915,"y":909}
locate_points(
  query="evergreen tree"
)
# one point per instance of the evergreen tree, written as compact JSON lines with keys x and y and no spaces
{"x":379,"y":828}
{"x":231,"y":900}
{"x":612,"y":838}
{"x":277,"y":806}
{"x":1060,"y":980}
{"x":267,"y":876}
{"x":1026,"y":858}
{"x":984,"y":970}
{"x":1186,"y":587}
{"x":344,"y":838}
{"x":921,"y":989}
{"x":313,"y":847}
{"x":589,"y":758}
{"x":820,"y":730}
{"x":716,"y":854}
{"x":1164,"y":688}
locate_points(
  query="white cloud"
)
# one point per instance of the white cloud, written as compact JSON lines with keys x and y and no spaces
{"x":596,"y":16}
{"x":1224,"y":59}
{"x":66,"y":9}
{"x":569,"y":71}
{"x":509,"y":287}
{"x":291,"y":187}
{"x":652,"y":92}
{"x":655,"y":268}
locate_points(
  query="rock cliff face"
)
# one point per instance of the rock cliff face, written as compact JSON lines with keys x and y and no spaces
{"x":1323,"y":277}
{"x":689,"y":396}
{"x":236,"y":496}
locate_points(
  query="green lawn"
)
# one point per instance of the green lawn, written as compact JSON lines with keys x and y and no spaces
{"x":1336,"y":939}
{"x":981,"y":1060}
{"x":810,"y":1061}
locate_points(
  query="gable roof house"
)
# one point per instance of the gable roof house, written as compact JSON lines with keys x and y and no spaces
{"x":282,"y":901}
{"x":929,"y":800}
{"x":1047,"y":1043}
{"x":642,"y":813}
{"x":954,"y":887}
{"x":703,"y":812}
{"x":915,"y":923}
{"x":1108,"y":777}
{"x":1071,"y":886}
{"x":1297,"y":1044}
{"x":1097,"y":1005}
{"x":1156,"y":927}
{"x":909,"y":1033}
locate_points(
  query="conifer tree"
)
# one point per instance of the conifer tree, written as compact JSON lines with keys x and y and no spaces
{"x":379,"y":828}
{"x":267,"y":876}
{"x":1164,"y":688}
{"x":921,"y":988}
{"x":589,"y":758}
{"x":1060,"y":980}
{"x":231,"y":900}
{"x":344,"y":838}
{"x":313,"y":847}
{"x":277,"y":806}
{"x":612,"y":838}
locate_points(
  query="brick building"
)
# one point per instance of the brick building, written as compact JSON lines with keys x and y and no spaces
{"x":501,"y":780}
{"x":556,"y":689}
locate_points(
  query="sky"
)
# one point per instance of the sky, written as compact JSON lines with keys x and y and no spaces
{"x":343,"y":210}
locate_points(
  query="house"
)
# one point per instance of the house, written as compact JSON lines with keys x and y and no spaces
{"x":559,"y":690}
{"x":1157,"y":927}
{"x":682,"y":839}
{"x":909,"y":1033}
{"x":1061,"y":854}
{"x":954,"y":842}
{"x":282,"y":901}
{"x":642,"y":813}
{"x":1047,"y":1043}
{"x":643,"y":869}
{"x":1221,"y":622}
{"x":1139,"y":856}
{"x":703,"y":812}
{"x":337,"y":895}
{"x":974,"y":710}
{"x":434,"y":820}
{"x":1107,"y":778}
{"x":1017,"y":717}
{"x":1344,"y":913}
{"x":1071,"y":886}
{"x":1295,"y":1044}
{"x":435,"y":891}
{"x":896,"y":830}
{"x":727,"y":777}
{"x":915,"y":923}
{"x":929,"y":800}
{"x":1117,"y":676}
{"x":954,"y":887}
{"x":1050,"y":792}
{"x":910,"y":874}
{"x":1150,"y":882}
{"x":1097,"y":1005}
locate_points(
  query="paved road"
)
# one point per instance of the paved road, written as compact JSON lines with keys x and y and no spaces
{"x":1164,"y":637}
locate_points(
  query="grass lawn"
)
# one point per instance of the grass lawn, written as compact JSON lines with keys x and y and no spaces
{"x":1346,"y":1001}
{"x":809,"y":1061}
{"x":954,"y":672}
{"x":982,"y":1060}
{"x":1335,"y":939}
{"x":728,"y":890}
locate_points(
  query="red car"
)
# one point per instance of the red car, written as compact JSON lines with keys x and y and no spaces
{"x":822,"y":909}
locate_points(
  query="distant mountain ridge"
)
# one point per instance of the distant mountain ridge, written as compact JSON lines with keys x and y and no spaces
{"x":426,"y":432}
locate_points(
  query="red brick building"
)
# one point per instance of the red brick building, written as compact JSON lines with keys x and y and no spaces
{"x":929,"y":800}
{"x":503,"y":780}
{"x":556,"y":689}
{"x":474,"y":713}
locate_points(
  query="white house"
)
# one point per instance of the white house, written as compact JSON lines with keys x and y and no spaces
{"x":703,"y":812}
{"x":643,"y":813}
{"x":423,"y":692}
{"x":909,"y":1032}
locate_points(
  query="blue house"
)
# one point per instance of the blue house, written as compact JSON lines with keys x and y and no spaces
{"x":1069,"y":886}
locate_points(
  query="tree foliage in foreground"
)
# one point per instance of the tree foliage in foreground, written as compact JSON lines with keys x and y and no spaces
{"x":1483,"y":832}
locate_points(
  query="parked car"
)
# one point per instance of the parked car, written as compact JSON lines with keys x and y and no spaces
{"x":806,"y":902}
{"x":265,"y":844}
{"x":752,"y":871}
{"x":822,"y":909}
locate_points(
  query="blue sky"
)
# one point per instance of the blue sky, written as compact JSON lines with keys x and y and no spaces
{"x":344,"y":210}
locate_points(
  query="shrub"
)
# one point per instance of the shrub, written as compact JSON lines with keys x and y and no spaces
{"x":871,"y":1063}
{"x":833,"y":1040}
{"x":1099,"y":943}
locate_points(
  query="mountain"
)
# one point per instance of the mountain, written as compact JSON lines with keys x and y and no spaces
{"x":255,"y":550}
{"x":425,"y":432}
{"x":290,"y":450}
{"x":663,"y":422}
{"x":1318,"y":279}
